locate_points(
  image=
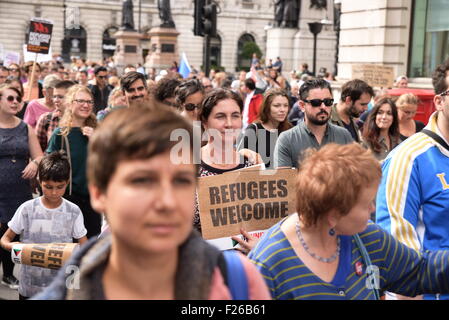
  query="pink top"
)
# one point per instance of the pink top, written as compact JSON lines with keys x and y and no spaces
{"x":33,"y":112}
{"x":257,"y":288}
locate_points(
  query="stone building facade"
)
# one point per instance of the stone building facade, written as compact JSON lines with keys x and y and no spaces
{"x":239,"y":20}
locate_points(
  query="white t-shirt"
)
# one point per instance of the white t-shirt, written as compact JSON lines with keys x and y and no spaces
{"x":38,"y":224}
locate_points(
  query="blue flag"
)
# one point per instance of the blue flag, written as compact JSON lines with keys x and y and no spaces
{"x":184,"y":67}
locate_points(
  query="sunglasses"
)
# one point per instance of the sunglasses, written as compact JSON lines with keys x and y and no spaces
{"x":445,"y":93}
{"x":191,"y":106}
{"x":12,"y":98}
{"x":132,"y":90}
{"x":102,"y":77}
{"x":319,"y":102}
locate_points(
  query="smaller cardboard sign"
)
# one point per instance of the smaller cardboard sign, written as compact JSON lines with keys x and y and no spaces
{"x":375,"y":75}
{"x":31,"y":56}
{"x":44,"y":255}
{"x":227,"y":242}
{"x":39,"y":36}
{"x":11,"y":57}
{"x":248,"y":199}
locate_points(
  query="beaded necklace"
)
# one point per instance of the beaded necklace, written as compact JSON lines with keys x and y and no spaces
{"x":313,"y":255}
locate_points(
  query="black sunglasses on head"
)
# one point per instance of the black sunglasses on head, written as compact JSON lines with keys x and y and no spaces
{"x":319,"y":102}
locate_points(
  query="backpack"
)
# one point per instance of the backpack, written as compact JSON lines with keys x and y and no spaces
{"x":235,"y":276}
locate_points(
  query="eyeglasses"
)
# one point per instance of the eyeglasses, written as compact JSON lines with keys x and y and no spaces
{"x":132,"y":90}
{"x":14,"y":70}
{"x":58,"y":97}
{"x":12,"y":98}
{"x":319,"y":102}
{"x":102,"y":77}
{"x":81,"y":101}
{"x":191,"y":106}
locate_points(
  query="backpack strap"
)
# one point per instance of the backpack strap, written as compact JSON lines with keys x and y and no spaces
{"x":367,"y":260}
{"x":436,"y":137}
{"x":236,"y":276}
{"x":65,"y":141}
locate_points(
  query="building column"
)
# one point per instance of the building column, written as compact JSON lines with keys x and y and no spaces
{"x":374,"y":32}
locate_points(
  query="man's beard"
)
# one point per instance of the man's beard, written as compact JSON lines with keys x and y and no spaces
{"x":314,"y":119}
{"x":353,"y":112}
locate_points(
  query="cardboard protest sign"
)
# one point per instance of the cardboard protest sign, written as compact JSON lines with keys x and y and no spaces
{"x":39,"y":37}
{"x":253,"y":200}
{"x":30,"y":56}
{"x":11,"y":57}
{"x":374,"y":75}
{"x":44,"y":255}
{"x":227,"y":243}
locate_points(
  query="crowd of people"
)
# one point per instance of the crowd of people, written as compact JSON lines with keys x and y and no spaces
{"x":93,"y":146}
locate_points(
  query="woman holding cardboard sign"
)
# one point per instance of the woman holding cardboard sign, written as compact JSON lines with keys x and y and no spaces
{"x":152,"y":251}
{"x":330,"y":250}
{"x":221,"y":118}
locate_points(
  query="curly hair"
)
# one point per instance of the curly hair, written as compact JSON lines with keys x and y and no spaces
{"x":66,"y":122}
{"x":439,"y":82}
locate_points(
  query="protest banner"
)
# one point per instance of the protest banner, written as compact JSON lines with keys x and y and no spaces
{"x":253,"y":200}
{"x":39,"y":38}
{"x":44,"y":255}
{"x":375,"y":75}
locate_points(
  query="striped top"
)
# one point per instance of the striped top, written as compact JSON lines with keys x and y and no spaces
{"x":413,"y":197}
{"x":400,"y":269}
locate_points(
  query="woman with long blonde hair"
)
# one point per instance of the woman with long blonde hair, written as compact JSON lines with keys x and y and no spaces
{"x":75,"y":127}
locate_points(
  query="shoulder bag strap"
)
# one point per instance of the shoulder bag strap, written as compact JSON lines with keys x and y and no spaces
{"x":436,"y":137}
{"x":236,"y":276}
{"x":65,"y":141}
{"x":367,"y":260}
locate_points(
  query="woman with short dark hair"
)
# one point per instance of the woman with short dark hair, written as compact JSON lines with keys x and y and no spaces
{"x":188,"y":96}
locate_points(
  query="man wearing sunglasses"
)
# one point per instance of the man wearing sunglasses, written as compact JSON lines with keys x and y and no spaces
{"x":355,"y":97}
{"x":134,"y":87}
{"x":101,"y":89}
{"x":315,"y":131}
{"x":413,"y":197}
